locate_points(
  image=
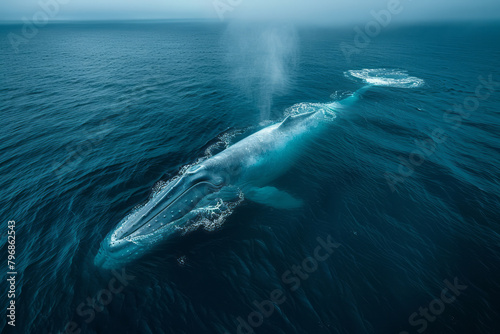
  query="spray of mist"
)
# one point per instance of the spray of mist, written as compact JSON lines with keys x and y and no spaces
{"x":263,"y":60}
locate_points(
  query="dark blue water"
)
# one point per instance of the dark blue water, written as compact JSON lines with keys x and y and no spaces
{"x":94,"y":115}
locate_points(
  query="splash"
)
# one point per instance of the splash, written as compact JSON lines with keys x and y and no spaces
{"x":326,"y":110}
{"x":224,"y":141}
{"x":211,"y":217}
{"x":386,"y":77}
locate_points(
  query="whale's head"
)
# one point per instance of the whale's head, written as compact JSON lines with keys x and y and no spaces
{"x":165,"y":215}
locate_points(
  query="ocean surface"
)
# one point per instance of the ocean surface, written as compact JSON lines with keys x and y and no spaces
{"x":405,"y":185}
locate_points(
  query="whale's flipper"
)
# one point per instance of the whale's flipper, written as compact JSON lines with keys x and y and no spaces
{"x":273,"y":197}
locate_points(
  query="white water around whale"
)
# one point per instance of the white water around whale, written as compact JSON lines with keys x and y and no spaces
{"x":386,"y":77}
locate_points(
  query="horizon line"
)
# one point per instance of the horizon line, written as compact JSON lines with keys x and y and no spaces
{"x":216,"y":20}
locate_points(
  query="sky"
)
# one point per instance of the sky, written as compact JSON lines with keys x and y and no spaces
{"x":310,"y":11}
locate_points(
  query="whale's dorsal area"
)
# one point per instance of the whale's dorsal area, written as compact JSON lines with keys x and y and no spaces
{"x":294,"y":119}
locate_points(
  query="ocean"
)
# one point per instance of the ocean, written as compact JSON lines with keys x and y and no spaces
{"x":399,"y":227}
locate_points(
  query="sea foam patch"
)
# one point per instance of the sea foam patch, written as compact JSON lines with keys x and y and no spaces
{"x":386,"y":77}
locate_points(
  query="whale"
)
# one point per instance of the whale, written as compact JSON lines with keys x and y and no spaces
{"x":244,"y":170}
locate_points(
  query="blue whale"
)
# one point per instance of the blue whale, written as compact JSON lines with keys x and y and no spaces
{"x":244,"y":169}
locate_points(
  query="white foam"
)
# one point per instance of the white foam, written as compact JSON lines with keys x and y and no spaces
{"x":211,"y":217}
{"x":326,"y":110}
{"x":386,"y":77}
{"x":224,"y":141}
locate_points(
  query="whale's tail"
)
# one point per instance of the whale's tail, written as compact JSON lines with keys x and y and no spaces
{"x":385,"y":77}
{"x":376,"y":77}
{"x":381,"y":77}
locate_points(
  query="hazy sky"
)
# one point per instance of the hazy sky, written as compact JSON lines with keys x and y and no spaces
{"x":320,"y":11}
